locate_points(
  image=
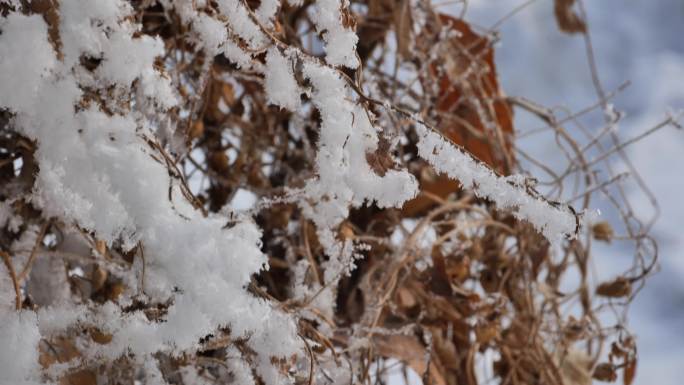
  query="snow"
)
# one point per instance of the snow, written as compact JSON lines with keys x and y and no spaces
{"x":267,"y":11}
{"x":7,"y":294}
{"x":279,"y":81}
{"x":554,"y":223}
{"x":241,"y":24}
{"x":212,"y":33}
{"x":340,"y":42}
{"x":19,"y":363}
{"x":19,"y":32}
{"x":241,"y":372}
{"x":236,"y":55}
{"x":344,"y":177}
{"x":126,"y":198}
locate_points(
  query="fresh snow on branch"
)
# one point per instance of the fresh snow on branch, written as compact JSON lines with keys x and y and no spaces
{"x":340,"y":41}
{"x":346,"y":136}
{"x":555,"y":223}
{"x":98,"y":171}
{"x":279,"y":82}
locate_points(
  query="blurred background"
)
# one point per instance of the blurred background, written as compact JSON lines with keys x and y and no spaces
{"x":640,"y":42}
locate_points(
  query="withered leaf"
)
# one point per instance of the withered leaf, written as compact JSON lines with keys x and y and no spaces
{"x":486,"y":332}
{"x":439,"y":280}
{"x":346,"y":231}
{"x":196,"y":130}
{"x":617,"y":288}
{"x":462,"y":97}
{"x":605,"y":371}
{"x":380,"y":160}
{"x":574,"y":368}
{"x":403,"y":25}
{"x":410,"y":351}
{"x":115,"y":290}
{"x":568,"y":20}
{"x":629,"y":372}
{"x":100,"y":337}
{"x":81,"y":377}
{"x":98,"y":277}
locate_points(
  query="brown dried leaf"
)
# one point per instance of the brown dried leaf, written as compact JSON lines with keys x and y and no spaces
{"x":115,"y":290}
{"x":617,"y":288}
{"x":101,"y":247}
{"x":629,"y":372}
{"x":568,"y":20}
{"x":403,"y":25}
{"x":228,"y":94}
{"x":49,"y":9}
{"x":380,"y":160}
{"x":460,"y":84}
{"x":410,"y":351}
{"x":346,"y":231}
{"x":458,"y":269}
{"x":218,"y":93}
{"x":605,"y":371}
{"x":405,"y":298}
{"x":218,"y":161}
{"x":465,"y":97}
{"x":486,"y":332}
{"x":59,"y":349}
{"x":439,"y":280}
{"x":490,"y":280}
{"x":574,"y":368}
{"x":100,"y":337}
{"x":196,"y":130}
{"x":81,"y":377}
{"x":98,"y":278}
{"x":445,"y":349}
{"x":348,"y":20}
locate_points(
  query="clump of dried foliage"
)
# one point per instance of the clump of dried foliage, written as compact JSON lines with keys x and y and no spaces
{"x":446,"y":289}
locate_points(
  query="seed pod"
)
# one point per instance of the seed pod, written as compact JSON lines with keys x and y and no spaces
{"x":603,"y":231}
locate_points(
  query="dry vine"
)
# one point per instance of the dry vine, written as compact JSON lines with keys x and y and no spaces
{"x":447,"y":286}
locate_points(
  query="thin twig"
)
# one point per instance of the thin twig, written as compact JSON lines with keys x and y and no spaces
{"x":15,"y":282}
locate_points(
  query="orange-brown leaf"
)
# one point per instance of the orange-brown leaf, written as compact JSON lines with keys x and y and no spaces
{"x":409,"y":350}
{"x":629,"y":372}
{"x":619,"y":287}
{"x":567,"y":19}
{"x":469,"y":103}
